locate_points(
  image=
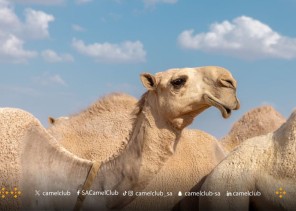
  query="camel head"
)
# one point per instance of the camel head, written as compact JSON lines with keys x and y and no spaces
{"x":182,"y":94}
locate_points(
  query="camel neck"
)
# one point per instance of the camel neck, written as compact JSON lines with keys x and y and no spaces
{"x":151,"y":143}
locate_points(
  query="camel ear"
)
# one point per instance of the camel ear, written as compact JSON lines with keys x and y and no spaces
{"x":149,"y":81}
{"x":51,"y":120}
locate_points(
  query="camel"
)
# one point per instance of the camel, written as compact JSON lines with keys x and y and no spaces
{"x":256,"y":122}
{"x":262,"y":170}
{"x":195,"y":145}
{"x":195,"y":157}
{"x":101,"y":129}
{"x":32,"y":161}
{"x":201,"y":146}
{"x":172,"y":101}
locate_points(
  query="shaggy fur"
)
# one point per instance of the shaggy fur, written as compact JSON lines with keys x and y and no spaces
{"x":258,"y":121}
{"x":265,"y":164}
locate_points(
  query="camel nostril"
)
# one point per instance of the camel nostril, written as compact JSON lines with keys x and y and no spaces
{"x":230,"y":83}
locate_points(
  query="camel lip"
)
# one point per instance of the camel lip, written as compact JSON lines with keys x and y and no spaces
{"x":225,"y":110}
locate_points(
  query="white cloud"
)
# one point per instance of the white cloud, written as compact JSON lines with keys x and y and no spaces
{"x":11,"y":49}
{"x":83,"y":1}
{"x":14,"y":32}
{"x":8,"y":17}
{"x":52,"y":57}
{"x":77,"y":28}
{"x":46,"y":79}
{"x":243,"y":37}
{"x":36,"y":25}
{"x":126,"y":52}
{"x":154,"y":2}
{"x":42,"y":2}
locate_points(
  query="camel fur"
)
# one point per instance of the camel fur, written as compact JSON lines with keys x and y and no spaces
{"x":195,"y":146}
{"x":256,"y":122}
{"x":189,"y":150}
{"x":265,"y":165}
{"x":196,"y":155}
{"x":172,"y":101}
{"x":100,"y":131}
{"x":31,"y":159}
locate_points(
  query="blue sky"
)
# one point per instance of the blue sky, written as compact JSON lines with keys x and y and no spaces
{"x":58,"y":56}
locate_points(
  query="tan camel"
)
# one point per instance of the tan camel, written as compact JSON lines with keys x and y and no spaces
{"x":195,"y":157}
{"x":195,"y":146}
{"x":256,"y":122}
{"x":32,"y":162}
{"x":174,"y":98}
{"x":99,"y":131}
{"x":260,"y":174}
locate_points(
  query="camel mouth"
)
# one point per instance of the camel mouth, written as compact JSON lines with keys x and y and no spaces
{"x":225,"y":110}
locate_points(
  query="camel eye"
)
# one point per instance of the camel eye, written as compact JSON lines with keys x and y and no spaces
{"x":179,"y":82}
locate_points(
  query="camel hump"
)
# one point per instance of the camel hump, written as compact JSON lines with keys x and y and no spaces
{"x":116,"y":100}
{"x":109,"y":103}
{"x":287,"y":132}
{"x":256,"y":122}
{"x":16,"y":116}
{"x":16,"y":121}
{"x":259,"y":120}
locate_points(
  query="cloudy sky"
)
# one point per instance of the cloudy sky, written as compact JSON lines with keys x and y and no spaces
{"x":58,"y":56}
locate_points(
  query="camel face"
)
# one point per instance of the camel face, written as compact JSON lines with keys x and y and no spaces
{"x":182,"y":94}
{"x":220,"y":90}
